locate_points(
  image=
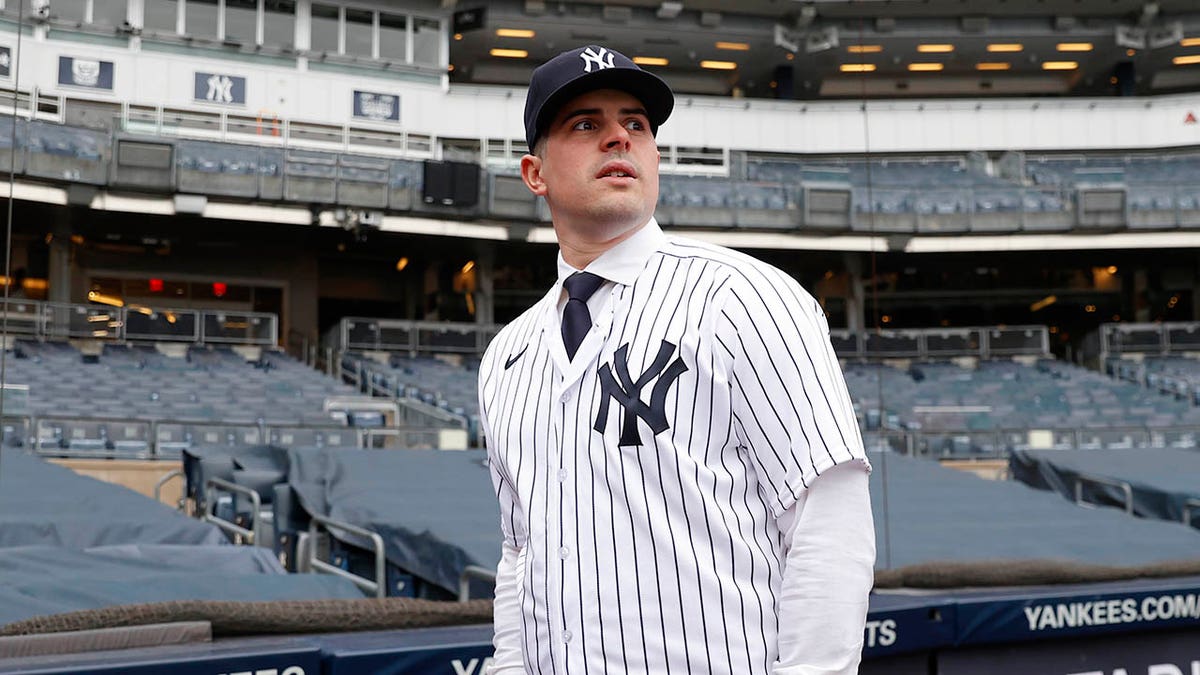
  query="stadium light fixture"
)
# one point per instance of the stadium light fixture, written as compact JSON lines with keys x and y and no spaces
{"x":509,"y":53}
{"x":718,"y":65}
{"x":1060,"y":65}
{"x":857,"y":67}
{"x":650,"y":61}
{"x":993,"y":65}
{"x":523,"y":33}
{"x":401,"y":264}
{"x":1190,"y":42}
{"x":935,"y":49}
{"x":1188,"y":60}
{"x":1043,"y":303}
{"x":1005,"y":47}
{"x":468,"y":267}
{"x":926,"y":67}
{"x":864,"y":49}
{"x":1075,"y":47}
{"x":734,"y":46}
{"x":104,"y":299}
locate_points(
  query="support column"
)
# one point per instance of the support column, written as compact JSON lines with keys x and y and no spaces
{"x":59,"y":273}
{"x":485,"y":287}
{"x":855,"y":303}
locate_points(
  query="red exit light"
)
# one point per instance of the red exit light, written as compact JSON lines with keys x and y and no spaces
{"x":219,"y":289}
{"x":156,"y":285}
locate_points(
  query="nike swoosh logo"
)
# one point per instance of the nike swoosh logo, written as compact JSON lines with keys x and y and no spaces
{"x":508,"y":363}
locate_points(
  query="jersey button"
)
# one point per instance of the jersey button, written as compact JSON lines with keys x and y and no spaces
{"x":566,"y":636}
{"x":562,"y":474}
{"x":566,"y":396}
{"x":564,"y":552}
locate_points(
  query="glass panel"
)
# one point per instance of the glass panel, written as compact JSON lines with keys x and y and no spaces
{"x":393,"y":37}
{"x":324,"y":29}
{"x":359,"y":32}
{"x":108,"y":12}
{"x":68,"y":10}
{"x":241,"y":21}
{"x":200,"y":18}
{"x":427,"y":40}
{"x":279,"y":23}
{"x":160,"y":15}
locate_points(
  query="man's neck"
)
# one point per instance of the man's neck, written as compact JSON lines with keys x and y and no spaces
{"x":579,"y":253}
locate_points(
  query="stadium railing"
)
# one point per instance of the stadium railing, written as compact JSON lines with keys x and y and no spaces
{"x":49,"y":320}
{"x":1148,"y":338}
{"x":998,"y":443}
{"x":941,"y":343}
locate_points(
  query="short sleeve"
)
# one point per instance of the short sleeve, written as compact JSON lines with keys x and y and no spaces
{"x":791,"y":410}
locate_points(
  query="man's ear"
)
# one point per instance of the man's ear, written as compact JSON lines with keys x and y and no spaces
{"x":531,"y":173}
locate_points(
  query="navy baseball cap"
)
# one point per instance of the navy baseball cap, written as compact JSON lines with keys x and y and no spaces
{"x":585,"y":69}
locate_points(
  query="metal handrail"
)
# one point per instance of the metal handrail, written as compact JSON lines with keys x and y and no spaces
{"x":1125,"y":487}
{"x":158,"y":486}
{"x":249,"y":535}
{"x":378,"y":588}
{"x":472,"y":572}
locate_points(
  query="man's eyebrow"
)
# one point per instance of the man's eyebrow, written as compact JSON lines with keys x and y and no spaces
{"x":580,"y":111}
{"x":596,"y":111}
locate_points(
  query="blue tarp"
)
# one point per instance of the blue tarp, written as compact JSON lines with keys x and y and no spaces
{"x":436,"y":510}
{"x":1161,"y":480}
{"x":43,"y":504}
{"x":45,"y":580}
{"x":930,"y":513}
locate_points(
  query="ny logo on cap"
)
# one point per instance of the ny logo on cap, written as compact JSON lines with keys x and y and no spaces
{"x":603,"y":59}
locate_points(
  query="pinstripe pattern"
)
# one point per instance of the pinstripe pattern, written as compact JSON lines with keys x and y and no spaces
{"x":665,"y":556}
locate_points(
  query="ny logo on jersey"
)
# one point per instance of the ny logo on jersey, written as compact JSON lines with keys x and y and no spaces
{"x":602,"y":59}
{"x":628,"y":393}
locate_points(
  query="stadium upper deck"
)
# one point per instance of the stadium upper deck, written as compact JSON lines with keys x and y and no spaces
{"x":435,"y":80}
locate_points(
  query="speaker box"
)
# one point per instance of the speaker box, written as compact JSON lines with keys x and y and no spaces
{"x":451,"y":183}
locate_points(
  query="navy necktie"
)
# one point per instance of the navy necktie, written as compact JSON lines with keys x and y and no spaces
{"x":577,"y":320}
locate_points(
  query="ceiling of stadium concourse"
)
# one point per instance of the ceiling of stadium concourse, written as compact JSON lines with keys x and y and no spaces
{"x":838,"y":49}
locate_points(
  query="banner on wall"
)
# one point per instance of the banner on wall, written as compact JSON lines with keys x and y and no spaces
{"x":90,"y":73}
{"x":377,"y":107}
{"x":218,"y":88}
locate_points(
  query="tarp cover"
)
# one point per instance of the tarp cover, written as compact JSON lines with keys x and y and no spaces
{"x":931,"y":513}
{"x":436,"y":510}
{"x":1161,"y":480}
{"x":43,"y":504}
{"x":42,"y":580}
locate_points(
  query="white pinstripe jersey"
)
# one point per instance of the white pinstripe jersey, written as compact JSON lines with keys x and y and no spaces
{"x":643,"y":479}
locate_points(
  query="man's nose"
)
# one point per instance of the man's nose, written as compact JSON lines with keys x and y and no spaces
{"x":617,"y":137}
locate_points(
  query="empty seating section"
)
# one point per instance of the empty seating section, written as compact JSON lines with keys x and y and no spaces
{"x":1177,"y":376}
{"x":124,"y":387}
{"x":443,"y":384}
{"x":997,"y":404}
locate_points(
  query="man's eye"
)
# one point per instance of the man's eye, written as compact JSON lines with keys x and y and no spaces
{"x":583,"y":125}
{"x":635,"y":125}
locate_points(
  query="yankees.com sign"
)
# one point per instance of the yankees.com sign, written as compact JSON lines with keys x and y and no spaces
{"x":223,"y":89}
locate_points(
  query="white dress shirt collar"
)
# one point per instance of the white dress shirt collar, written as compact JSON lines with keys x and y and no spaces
{"x":622,"y":263}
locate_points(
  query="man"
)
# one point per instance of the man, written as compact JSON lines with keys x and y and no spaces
{"x":681,"y":479}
